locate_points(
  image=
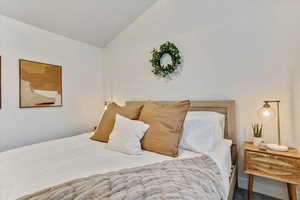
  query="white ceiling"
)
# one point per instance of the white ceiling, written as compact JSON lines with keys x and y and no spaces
{"x":95,"y":22}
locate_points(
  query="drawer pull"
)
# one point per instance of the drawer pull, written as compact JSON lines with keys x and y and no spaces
{"x":273,"y":170}
{"x":273,"y":162}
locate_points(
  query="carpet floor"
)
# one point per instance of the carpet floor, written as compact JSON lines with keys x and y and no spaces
{"x":241,"y":194}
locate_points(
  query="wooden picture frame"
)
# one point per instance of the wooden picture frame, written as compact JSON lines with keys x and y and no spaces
{"x":40,"y":84}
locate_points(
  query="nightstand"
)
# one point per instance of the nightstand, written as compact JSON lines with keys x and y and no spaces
{"x":280,"y":166}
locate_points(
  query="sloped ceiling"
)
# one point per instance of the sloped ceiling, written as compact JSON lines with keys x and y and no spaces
{"x":95,"y":22}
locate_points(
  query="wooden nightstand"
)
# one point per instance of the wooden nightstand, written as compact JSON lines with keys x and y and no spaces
{"x":280,"y":166}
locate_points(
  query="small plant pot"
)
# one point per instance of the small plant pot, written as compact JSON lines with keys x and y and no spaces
{"x":257,"y":141}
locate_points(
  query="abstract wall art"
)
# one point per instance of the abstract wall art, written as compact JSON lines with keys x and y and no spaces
{"x":40,"y":84}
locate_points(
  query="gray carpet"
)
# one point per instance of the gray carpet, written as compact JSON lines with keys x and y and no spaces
{"x":241,"y":194}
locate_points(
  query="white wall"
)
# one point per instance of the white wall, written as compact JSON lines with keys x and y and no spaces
{"x":296,"y":102}
{"x":231,"y":50}
{"x":295,"y":62}
{"x":82,"y":85}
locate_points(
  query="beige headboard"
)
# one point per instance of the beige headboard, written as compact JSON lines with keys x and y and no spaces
{"x":226,"y":108}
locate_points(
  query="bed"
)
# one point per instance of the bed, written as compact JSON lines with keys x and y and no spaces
{"x":29,"y":169}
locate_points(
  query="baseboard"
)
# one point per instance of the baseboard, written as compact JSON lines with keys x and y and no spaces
{"x":267,"y":187}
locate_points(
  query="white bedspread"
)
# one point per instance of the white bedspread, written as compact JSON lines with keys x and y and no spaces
{"x":32,"y":168}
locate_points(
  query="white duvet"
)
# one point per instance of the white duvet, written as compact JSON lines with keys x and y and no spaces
{"x":32,"y":168}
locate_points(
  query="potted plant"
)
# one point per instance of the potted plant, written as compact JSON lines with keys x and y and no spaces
{"x":257,"y":133}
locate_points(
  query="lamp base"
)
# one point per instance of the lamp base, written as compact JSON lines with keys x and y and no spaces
{"x":277,"y":147}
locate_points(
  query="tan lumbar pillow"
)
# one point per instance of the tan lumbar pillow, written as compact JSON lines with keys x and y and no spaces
{"x":107,"y":122}
{"x":166,"y":124}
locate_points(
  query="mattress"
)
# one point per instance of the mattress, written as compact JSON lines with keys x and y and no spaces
{"x":32,"y":168}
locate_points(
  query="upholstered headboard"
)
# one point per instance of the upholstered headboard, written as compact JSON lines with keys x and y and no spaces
{"x":226,"y":108}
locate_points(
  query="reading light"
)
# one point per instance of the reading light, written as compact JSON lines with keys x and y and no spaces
{"x":267,"y":112}
{"x":105,"y":105}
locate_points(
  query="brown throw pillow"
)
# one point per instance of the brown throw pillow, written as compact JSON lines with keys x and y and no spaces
{"x":107,"y":122}
{"x":166,"y":124}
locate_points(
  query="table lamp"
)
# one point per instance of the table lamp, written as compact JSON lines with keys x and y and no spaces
{"x":106,"y":104}
{"x":266,"y":111}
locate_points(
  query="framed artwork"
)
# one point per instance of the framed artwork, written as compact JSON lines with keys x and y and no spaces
{"x":40,"y":84}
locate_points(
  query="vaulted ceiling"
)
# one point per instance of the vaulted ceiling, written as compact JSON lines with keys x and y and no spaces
{"x":95,"y":22}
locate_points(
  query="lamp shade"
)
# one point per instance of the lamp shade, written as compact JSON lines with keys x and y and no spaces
{"x":266,"y":112}
{"x":106,"y":105}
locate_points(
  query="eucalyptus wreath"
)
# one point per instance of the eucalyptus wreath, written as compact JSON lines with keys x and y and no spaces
{"x":166,"y":48}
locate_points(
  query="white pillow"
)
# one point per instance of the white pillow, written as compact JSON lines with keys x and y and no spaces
{"x":206,"y":115}
{"x":202,"y":131}
{"x":126,"y":135}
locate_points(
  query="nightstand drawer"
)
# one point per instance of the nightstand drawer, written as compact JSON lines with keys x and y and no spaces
{"x":273,"y":166}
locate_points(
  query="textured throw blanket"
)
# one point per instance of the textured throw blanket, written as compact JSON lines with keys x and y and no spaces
{"x":181,"y":179}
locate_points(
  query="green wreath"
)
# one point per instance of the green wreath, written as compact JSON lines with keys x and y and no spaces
{"x":162,"y":70}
